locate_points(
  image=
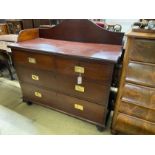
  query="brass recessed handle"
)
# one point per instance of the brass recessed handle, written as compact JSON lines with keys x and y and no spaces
{"x":32,"y":60}
{"x":35,"y":77}
{"x":78,"y":106}
{"x":79,"y":69}
{"x":38,"y":94}
{"x":79,"y":88}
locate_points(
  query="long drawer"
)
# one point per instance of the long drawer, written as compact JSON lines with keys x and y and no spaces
{"x":141,"y":74}
{"x":139,"y":95}
{"x":34,"y":60}
{"x":132,"y":125}
{"x":137,"y":111}
{"x":88,"y":90}
{"x":143,"y":50}
{"x":80,"y":108}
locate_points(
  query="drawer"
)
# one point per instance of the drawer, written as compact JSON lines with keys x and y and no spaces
{"x":89,"y":90}
{"x":132,"y":125}
{"x":137,"y":111}
{"x":139,"y":95}
{"x":89,"y":69}
{"x":93,"y":92}
{"x":70,"y":105}
{"x":141,"y":74}
{"x":143,"y":50}
{"x":37,"y":77}
{"x":34,"y":60}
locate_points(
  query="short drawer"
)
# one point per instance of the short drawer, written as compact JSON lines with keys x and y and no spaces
{"x":70,"y":105}
{"x":89,"y":69}
{"x":139,"y":95}
{"x":37,"y":77}
{"x":137,"y":111}
{"x":141,"y":74}
{"x":143,"y":50}
{"x":34,"y":60}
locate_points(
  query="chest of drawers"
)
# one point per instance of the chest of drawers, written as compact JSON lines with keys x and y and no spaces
{"x":135,"y":105}
{"x":64,"y":74}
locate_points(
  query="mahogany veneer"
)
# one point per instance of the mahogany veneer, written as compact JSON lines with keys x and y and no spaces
{"x":69,"y":68}
{"x":135,"y":104}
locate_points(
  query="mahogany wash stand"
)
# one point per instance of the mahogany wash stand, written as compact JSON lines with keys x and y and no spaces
{"x":70,"y":68}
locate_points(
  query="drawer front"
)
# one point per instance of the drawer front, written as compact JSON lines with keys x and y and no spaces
{"x":37,"y":77}
{"x":139,"y":95}
{"x":141,"y":74}
{"x":34,"y":60}
{"x":132,"y":125}
{"x":137,"y":111}
{"x":88,"y":69}
{"x":143,"y":50}
{"x":88,"y":90}
{"x":71,"y":105}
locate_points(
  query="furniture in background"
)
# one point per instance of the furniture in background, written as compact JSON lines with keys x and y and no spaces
{"x":5,"y":62}
{"x":4,"y":28}
{"x":38,"y":22}
{"x":27,"y":23}
{"x":114,"y":27}
{"x":16,"y":25}
{"x":69,"y":68}
{"x":135,"y":105}
{"x":5,"y":52}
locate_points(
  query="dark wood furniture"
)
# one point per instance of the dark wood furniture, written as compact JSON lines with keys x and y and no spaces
{"x":135,"y":105}
{"x":69,"y":68}
{"x":38,"y":22}
{"x":16,"y":25}
{"x":27,"y":23}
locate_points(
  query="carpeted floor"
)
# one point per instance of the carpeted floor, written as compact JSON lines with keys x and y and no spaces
{"x":16,"y":117}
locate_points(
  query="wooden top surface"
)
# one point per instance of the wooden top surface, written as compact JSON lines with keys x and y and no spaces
{"x":144,"y":35}
{"x":88,"y":50}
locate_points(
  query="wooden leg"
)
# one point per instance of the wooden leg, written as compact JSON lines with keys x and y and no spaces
{"x":99,"y":128}
{"x":114,"y":132}
{"x":27,"y":102}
